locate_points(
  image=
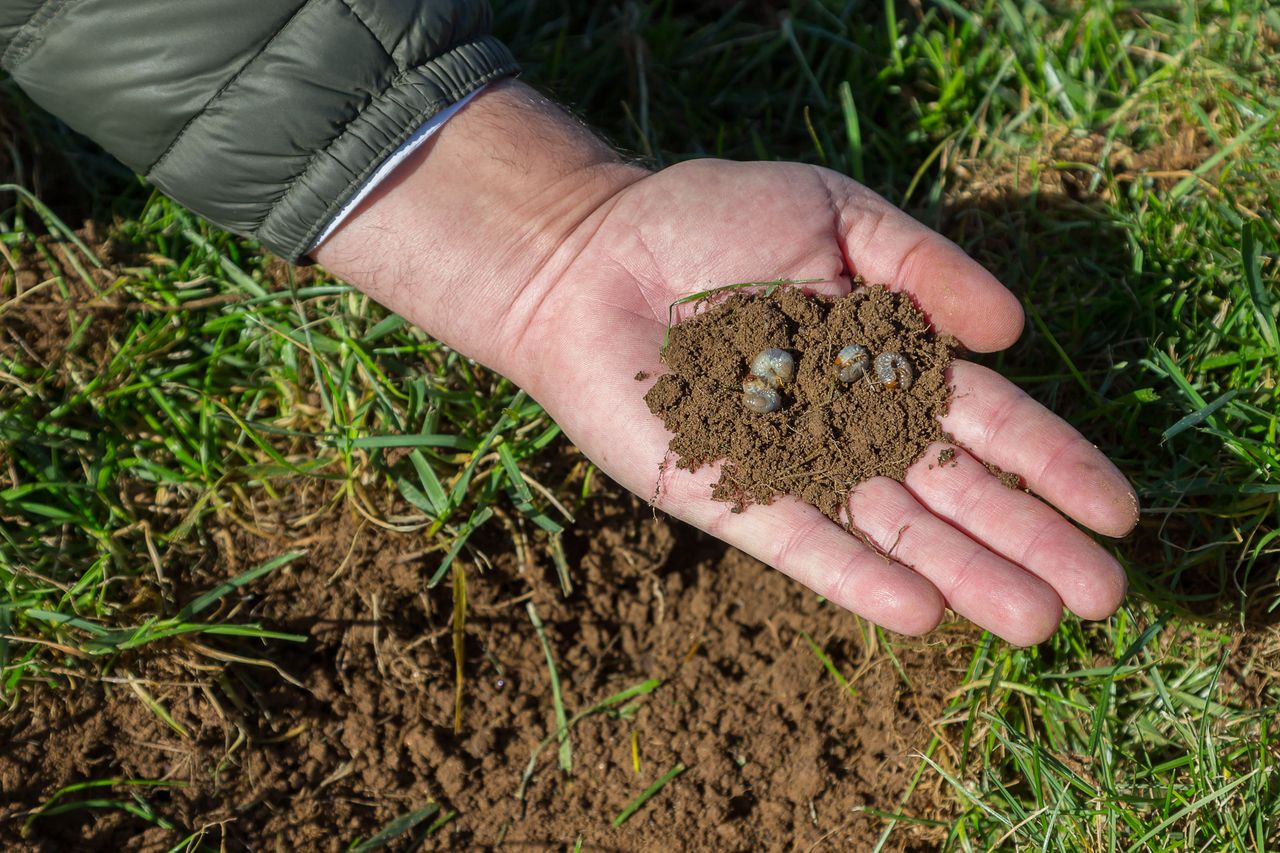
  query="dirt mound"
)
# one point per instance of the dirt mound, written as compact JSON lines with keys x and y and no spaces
{"x":778,"y":755}
{"x":822,"y":434}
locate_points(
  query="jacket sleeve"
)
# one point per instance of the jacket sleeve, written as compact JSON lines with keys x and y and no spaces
{"x":264,"y":116}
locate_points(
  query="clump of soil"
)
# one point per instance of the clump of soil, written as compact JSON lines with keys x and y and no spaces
{"x":828,"y":436}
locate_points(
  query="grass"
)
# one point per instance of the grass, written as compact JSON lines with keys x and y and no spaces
{"x":194,"y":379}
{"x":1117,"y":164}
{"x":829,"y":664}
{"x":403,"y":825}
{"x":565,"y":754}
{"x":647,"y":794}
{"x":561,"y":732}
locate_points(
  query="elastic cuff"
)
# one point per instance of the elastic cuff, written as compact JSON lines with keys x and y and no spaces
{"x":338,"y":172}
{"x":415,"y":141}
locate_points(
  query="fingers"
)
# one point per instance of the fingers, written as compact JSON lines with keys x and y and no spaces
{"x":1000,"y":424}
{"x":1021,"y":529}
{"x":979,"y":585}
{"x":804,"y":544}
{"x":885,"y":245}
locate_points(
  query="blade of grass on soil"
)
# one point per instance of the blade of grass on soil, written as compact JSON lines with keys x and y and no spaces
{"x":395,"y":829}
{"x":642,"y":689}
{"x":52,"y":806}
{"x":557,"y":701}
{"x":459,"y":640}
{"x":635,"y":805}
{"x":821,"y":654}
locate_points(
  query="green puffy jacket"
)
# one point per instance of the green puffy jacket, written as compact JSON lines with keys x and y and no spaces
{"x":264,"y":116}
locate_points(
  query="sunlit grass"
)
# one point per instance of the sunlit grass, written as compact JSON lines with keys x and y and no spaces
{"x":190,"y":384}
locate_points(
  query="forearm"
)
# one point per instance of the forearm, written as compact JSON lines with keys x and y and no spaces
{"x":465,"y":237}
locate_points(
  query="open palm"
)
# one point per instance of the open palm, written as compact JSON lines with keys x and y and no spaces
{"x":956,"y":535}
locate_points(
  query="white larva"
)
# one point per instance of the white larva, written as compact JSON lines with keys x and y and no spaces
{"x":893,"y":370}
{"x":852,"y":362}
{"x":759,"y":396}
{"x":777,"y":367}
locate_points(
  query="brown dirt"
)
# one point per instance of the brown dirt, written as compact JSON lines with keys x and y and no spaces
{"x":1008,"y":478}
{"x":1070,"y":169}
{"x":778,"y":756}
{"x":828,"y":436}
{"x":48,"y":310}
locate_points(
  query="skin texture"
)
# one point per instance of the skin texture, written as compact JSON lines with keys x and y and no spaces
{"x":522,"y":241}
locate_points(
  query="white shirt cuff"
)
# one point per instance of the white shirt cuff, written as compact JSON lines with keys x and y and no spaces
{"x":410,"y":145}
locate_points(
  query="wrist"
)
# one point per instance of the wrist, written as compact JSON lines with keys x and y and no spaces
{"x":468,"y":235}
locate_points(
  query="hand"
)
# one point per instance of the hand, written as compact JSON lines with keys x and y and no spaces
{"x":577,"y":325}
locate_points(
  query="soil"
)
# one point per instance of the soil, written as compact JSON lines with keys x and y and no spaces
{"x":828,"y":436}
{"x":310,"y":746}
{"x":49,"y":310}
{"x":779,"y":756}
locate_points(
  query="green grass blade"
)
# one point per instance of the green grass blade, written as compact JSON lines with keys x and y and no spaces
{"x":852,"y":129}
{"x":1251,"y":252}
{"x":821,"y":654}
{"x":50,"y":807}
{"x":396,"y":828}
{"x":1199,"y":416}
{"x":636,"y":804}
{"x":642,"y":689}
{"x":475,"y":521}
{"x":64,"y":619}
{"x":557,"y":701}
{"x":203,"y":602}
{"x":452,"y":442}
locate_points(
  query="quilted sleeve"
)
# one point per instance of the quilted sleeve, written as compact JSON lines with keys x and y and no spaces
{"x":264,"y":116}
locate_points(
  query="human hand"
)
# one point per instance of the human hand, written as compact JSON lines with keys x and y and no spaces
{"x":574,"y":327}
{"x":997,"y":556}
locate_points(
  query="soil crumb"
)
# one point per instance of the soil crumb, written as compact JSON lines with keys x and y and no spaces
{"x":1008,"y":478}
{"x":827,"y":436}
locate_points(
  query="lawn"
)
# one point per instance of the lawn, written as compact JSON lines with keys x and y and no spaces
{"x":185,"y":422}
